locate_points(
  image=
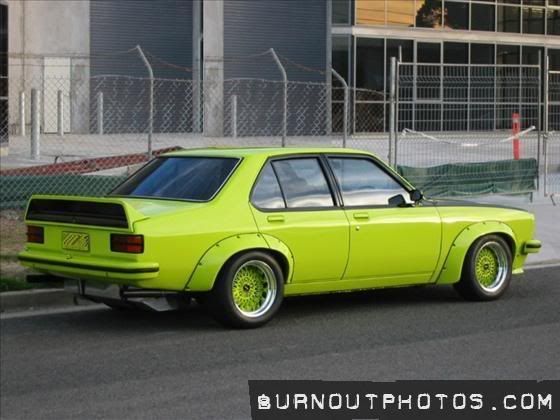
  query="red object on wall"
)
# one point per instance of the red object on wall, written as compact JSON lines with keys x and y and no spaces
{"x":516,"y":128}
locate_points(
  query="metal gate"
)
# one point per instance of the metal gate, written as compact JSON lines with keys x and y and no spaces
{"x":552,"y":137}
{"x":468,"y":129}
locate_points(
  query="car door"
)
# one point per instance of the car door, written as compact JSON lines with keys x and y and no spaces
{"x":293,"y":200}
{"x":400,"y":244}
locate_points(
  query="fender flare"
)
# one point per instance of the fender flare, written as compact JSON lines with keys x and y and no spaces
{"x":208,"y":267}
{"x":453,"y":266}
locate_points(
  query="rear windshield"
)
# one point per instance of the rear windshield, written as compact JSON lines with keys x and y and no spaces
{"x":182,"y":178}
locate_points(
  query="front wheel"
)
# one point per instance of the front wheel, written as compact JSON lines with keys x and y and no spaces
{"x":487,"y":269}
{"x":248,"y":292}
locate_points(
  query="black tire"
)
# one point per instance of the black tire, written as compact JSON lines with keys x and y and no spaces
{"x":491,"y":256}
{"x":221,"y":302}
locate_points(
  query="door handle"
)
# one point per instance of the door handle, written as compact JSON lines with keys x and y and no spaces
{"x":277,"y":218}
{"x":361,"y":216}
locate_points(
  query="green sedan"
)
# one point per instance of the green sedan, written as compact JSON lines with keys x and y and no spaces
{"x":240,"y":229}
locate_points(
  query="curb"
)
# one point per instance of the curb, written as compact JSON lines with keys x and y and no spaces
{"x":56,"y":298}
{"x":39,"y":299}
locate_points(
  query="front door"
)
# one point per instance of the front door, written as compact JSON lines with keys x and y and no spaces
{"x":294,"y":202}
{"x":390,"y":245}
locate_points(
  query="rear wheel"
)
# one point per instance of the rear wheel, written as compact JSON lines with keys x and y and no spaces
{"x":248,"y":291}
{"x":487,"y":269}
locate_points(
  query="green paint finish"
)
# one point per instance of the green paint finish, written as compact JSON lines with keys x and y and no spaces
{"x":486,"y":267}
{"x":319,"y":250}
{"x":249,"y":288}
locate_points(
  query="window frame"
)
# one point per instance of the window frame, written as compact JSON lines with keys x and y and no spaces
{"x":331,"y":184}
{"x":404,"y":185}
{"x":328,"y":172}
{"x":144,"y":197}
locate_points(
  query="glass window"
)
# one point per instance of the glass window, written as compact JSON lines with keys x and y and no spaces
{"x":428,"y":52}
{"x":370,"y":59}
{"x":509,"y":19}
{"x":428,"y":14}
{"x":370,"y":12}
{"x":553,"y":24}
{"x":363,"y":183}
{"x":267,"y":193}
{"x":341,"y":55}
{"x":508,"y":54}
{"x":341,"y":11}
{"x":456,"y":15}
{"x":554,"y":59}
{"x":456,"y":53}
{"x":483,"y":17}
{"x":401,"y":13}
{"x":303,"y":183}
{"x":482,"y":54}
{"x":530,"y":55}
{"x":533,"y":20}
{"x":183,"y":178}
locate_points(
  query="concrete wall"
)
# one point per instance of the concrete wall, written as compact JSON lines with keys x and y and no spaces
{"x":54,"y":28}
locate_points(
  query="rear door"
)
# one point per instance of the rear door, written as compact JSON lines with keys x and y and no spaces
{"x":398,"y":244}
{"x":294,"y":201}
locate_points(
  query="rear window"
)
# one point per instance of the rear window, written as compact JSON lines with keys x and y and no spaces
{"x":182,"y":178}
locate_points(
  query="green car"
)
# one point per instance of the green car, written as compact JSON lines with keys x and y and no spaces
{"x":240,"y":229}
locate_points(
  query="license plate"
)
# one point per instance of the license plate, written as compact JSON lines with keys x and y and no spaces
{"x":75,"y":241}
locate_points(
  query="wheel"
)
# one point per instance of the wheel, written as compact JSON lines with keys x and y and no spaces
{"x":248,"y":291}
{"x":487,"y":269}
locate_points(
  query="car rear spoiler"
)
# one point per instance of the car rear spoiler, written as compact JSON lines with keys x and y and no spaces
{"x":90,"y":211}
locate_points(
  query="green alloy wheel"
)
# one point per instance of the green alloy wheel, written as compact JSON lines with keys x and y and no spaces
{"x":248,"y":291}
{"x":487,"y":269}
{"x":254,"y":288}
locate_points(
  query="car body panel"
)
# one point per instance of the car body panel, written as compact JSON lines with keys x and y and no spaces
{"x":187,"y":243}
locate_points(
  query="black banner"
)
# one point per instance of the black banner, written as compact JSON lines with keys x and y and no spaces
{"x":404,"y":400}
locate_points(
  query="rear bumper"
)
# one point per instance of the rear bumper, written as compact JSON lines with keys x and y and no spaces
{"x":531,"y":247}
{"x":89,"y":268}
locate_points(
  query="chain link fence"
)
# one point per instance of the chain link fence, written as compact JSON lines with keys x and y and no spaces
{"x":449,"y":128}
{"x":469,"y":129}
{"x":552,"y":161}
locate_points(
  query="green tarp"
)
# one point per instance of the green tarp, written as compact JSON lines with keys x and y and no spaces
{"x":460,"y":179}
{"x":15,"y":190}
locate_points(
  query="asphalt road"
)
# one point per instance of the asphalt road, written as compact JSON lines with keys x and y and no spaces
{"x":99,"y":363}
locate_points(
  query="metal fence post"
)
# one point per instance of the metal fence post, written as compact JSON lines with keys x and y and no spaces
{"x":22,"y":113}
{"x":285,"y":110}
{"x":60,"y":112}
{"x":234,"y":116}
{"x":539,"y":126}
{"x":35,"y":125}
{"x":392,"y":112}
{"x":545,"y":124}
{"x":345,"y":108}
{"x":151,"y":100}
{"x":100,"y":113}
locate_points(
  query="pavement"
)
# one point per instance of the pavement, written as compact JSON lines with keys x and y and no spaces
{"x":100,"y":363}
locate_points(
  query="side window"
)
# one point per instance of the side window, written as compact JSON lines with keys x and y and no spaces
{"x":363,"y":183}
{"x":303,"y":183}
{"x":267,"y":194}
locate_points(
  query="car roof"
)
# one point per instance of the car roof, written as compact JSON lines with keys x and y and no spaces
{"x":261,"y":151}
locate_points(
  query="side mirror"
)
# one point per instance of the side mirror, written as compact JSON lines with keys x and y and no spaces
{"x":416,"y":195}
{"x":397,"y":201}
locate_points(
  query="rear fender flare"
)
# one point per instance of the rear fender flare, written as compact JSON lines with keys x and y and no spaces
{"x":206,"y":271}
{"x":453,"y":266}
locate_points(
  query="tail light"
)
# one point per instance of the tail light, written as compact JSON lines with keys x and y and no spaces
{"x":132,"y":244}
{"x":35,"y":234}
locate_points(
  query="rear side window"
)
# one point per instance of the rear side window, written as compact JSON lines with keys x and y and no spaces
{"x":267,"y":193}
{"x":184,"y":178}
{"x":363,"y":183}
{"x":303,"y":183}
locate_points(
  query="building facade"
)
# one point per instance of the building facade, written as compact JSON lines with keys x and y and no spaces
{"x":367,"y":33}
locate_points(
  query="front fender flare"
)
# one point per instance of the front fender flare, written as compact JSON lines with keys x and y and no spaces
{"x":204,"y":275}
{"x":453,"y":266}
